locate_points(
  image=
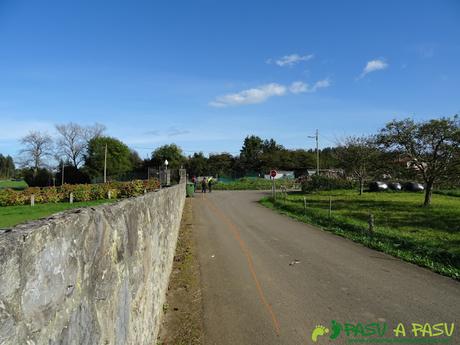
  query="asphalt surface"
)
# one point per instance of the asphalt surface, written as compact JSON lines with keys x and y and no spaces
{"x":268,"y":279}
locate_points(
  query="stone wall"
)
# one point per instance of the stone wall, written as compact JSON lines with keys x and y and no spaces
{"x":90,"y":276}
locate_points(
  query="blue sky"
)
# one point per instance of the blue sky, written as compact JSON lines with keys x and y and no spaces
{"x":204,"y":74}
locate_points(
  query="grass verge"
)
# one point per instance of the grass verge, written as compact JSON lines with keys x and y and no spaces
{"x":448,"y":192}
{"x":426,"y":236}
{"x":252,"y":184}
{"x":13,"y":215}
{"x":182,"y":319}
{"x":17,"y":185}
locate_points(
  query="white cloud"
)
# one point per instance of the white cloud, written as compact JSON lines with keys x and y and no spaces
{"x":264,"y":92}
{"x":321,"y":84}
{"x":256,"y":95}
{"x":174,"y":131}
{"x":372,"y":66}
{"x":301,"y":87}
{"x":290,"y":60}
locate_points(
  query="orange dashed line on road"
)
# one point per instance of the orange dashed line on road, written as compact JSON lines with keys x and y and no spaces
{"x":236,"y":233}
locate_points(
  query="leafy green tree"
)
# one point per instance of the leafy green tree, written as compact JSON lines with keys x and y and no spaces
{"x":41,"y":177}
{"x":172,"y":153}
{"x":72,"y":175}
{"x":136,"y":161}
{"x":251,"y":153}
{"x":119,"y":157}
{"x":299,"y":161}
{"x":430,"y":147}
{"x":271,"y":146}
{"x":272,"y":156}
{"x":357,"y":156}
{"x":221,"y":164}
{"x":7,"y":167}
{"x":328,"y":158}
{"x":197,"y":165}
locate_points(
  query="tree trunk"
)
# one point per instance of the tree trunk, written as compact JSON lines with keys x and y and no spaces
{"x":428,"y":193}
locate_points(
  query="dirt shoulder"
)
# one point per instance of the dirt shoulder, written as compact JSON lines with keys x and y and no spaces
{"x":183,"y":310}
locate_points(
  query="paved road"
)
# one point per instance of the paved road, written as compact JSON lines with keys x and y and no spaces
{"x":252,"y":295}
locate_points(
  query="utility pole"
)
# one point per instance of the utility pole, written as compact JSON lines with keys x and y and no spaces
{"x":317,"y":152}
{"x":105,"y":164}
{"x":62,"y":177}
{"x":316,"y":137}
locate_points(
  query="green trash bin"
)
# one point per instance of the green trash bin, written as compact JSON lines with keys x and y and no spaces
{"x":190,"y":189}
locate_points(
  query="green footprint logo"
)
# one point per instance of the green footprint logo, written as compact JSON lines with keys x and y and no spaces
{"x":317,"y":331}
{"x":336,"y":329}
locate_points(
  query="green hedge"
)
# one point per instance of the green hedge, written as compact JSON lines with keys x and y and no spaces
{"x":81,"y":192}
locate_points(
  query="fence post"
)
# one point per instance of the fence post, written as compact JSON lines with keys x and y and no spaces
{"x":71,"y":198}
{"x":168,"y":177}
{"x":371,"y":224}
{"x":109,"y":194}
{"x":32,"y":200}
{"x":182,"y":175}
{"x":330,"y":206}
{"x":305,"y":205}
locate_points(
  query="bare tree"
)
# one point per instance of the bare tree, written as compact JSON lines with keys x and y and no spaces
{"x":73,"y":140}
{"x":94,"y":131}
{"x":38,"y":146}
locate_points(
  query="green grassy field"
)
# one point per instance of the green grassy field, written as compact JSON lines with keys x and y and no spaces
{"x":251,"y":184}
{"x":18,"y":185}
{"x":449,"y":192}
{"x":427,"y":236}
{"x":13,"y":215}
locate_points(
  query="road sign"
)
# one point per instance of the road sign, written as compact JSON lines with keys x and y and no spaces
{"x":273,"y":173}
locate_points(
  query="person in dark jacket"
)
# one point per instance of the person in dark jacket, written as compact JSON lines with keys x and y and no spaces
{"x":210,"y":182}
{"x":203,"y":185}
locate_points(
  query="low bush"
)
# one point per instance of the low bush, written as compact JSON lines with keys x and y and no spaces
{"x":81,"y":192}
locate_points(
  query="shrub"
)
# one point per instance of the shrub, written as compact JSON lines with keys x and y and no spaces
{"x":51,"y":194}
{"x":100,"y":190}
{"x":40,"y":178}
{"x":81,"y":192}
{"x":131,"y":188}
{"x":151,"y":185}
{"x":316,"y":183}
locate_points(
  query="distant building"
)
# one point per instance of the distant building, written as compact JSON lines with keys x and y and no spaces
{"x":334,"y":173}
{"x":281,"y":174}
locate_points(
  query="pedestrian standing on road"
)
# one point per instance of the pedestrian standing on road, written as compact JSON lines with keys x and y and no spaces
{"x":194,"y":182}
{"x":210,"y":184}
{"x":203,"y":185}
